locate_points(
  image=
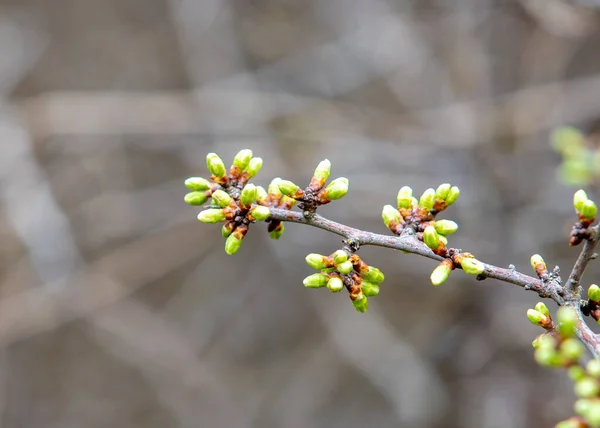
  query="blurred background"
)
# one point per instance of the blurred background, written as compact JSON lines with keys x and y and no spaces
{"x":117,"y":308}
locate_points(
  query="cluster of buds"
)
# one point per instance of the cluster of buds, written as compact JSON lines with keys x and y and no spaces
{"x":316,"y":194}
{"x":276,"y":199}
{"x":559,"y":347}
{"x":419,"y":216}
{"x":341,"y":270}
{"x":586,"y":210}
{"x":592,"y":306}
{"x":232,"y":197}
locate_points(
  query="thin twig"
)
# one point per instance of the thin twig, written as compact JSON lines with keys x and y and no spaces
{"x":587,"y":254}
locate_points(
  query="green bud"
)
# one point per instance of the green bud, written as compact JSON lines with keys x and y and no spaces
{"x":254,"y":166}
{"x":404,"y":198}
{"x":472,"y":266}
{"x":276,"y":234}
{"x":197,"y":183}
{"x":445,"y":227}
{"x":537,"y":318}
{"x":287,"y":187}
{"x":567,"y":319}
{"x":215,"y":165}
{"x":442,"y":191}
{"x":361,"y":303}
{"x":444,"y":240}
{"x":541,"y":307}
{"x":274,"y":187}
{"x":452,"y":195}
{"x":579,"y":198}
{"x":586,"y":388}
{"x":593,"y":414}
{"x":546,"y":341}
{"x":390,"y":214}
{"x":337,"y":189}
{"x":369,"y":289}
{"x":317,"y":261}
{"x":316,"y":280}
{"x":335,"y":284}
{"x":242,"y":158}
{"x":248,"y":194}
{"x":431,"y":238}
{"x":213,"y":215}
{"x":227,"y":229}
{"x":593,"y":368}
{"x":340,"y":256}
{"x":576,"y":373}
{"x":260,"y":213}
{"x":582,"y":406}
{"x":537,"y":263}
{"x":232,"y":244}
{"x":374,"y":275}
{"x":196,"y":198}
{"x":427,"y":199}
{"x":594,"y":293}
{"x":261,"y":194}
{"x":547,"y":357}
{"x":221,"y":198}
{"x":440,"y":274}
{"x":345,"y":267}
{"x":572,"y":349}
{"x":589,"y":209}
{"x":323,"y":170}
{"x":576,"y":171}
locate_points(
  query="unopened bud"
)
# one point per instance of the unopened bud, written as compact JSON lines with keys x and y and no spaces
{"x":593,"y":368}
{"x":242,"y":158}
{"x":345,"y":267}
{"x":227,"y":229}
{"x":578,"y":199}
{"x":431,"y":238}
{"x":254,"y":166}
{"x":374,"y":275}
{"x":445,"y":227}
{"x":441,"y":273}
{"x":361,"y":303}
{"x":589,"y":210}
{"x":248,"y":194}
{"x":261,"y":194}
{"x":541,"y":307}
{"x":594,"y":293}
{"x":335,"y":190}
{"x":391,"y":216}
{"x":213,"y":215}
{"x":232,"y":244}
{"x":260,"y":213}
{"x":404,"y":198}
{"x":340,"y":256}
{"x":441,"y":193}
{"x":287,"y":187}
{"x":576,"y":373}
{"x":221,"y":198}
{"x":572,"y":349}
{"x":335,"y":284}
{"x":452,"y":195}
{"x":369,"y":289}
{"x":196,"y":198}
{"x":547,"y":357}
{"x":322,"y":171}
{"x":318,"y":261}
{"x":215,"y":165}
{"x":538,"y":318}
{"x":538,"y":264}
{"x":274,"y":187}
{"x":587,"y":388}
{"x":197,"y":183}
{"x":276,"y":233}
{"x":567,"y":321}
{"x":472,"y":266}
{"x":316,"y":280}
{"x":427,"y":199}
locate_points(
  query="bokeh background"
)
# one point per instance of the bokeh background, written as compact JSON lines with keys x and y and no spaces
{"x":117,"y":308}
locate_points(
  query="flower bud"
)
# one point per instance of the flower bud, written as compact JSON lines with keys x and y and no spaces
{"x":316,"y":280}
{"x":472,"y":266}
{"x":227,"y":228}
{"x":567,"y":319}
{"x":578,"y":199}
{"x":547,"y":357}
{"x":274,"y":187}
{"x":242,"y":158}
{"x":576,"y":373}
{"x":215,"y":165}
{"x":427,"y":199}
{"x":538,"y":264}
{"x":276,"y":233}
{"x":248,"y":194}
{"x":221,"y":198}
{"x":287,"y":187}
{"x":444,"y":240}
{"x":254,"y":167}
{"x":594,"y":293}
{"x":404,"y":198}
{"x":452,"y":195}
{"x":361,"y":303}
{"x":431,"y":238}
{"x":345,"y":267}
{"x":335,"y":190}
{"x":374,"y":275}
{"x":196,"y":198}
{"x":369,"y":289}
{"x":441,"y":273}
{"x":322,"y":171}
{"x":391,"y":216}
{"x":261,"y":195}
{"x":340,"y":256}
{"x":445,"y":227}
{"x":318,"y":261}
{"x":589,"y":210}
{"x":583,"y":406}
{"x":197,"y":184}
{"x":538,"y":318}
{"x":260,"y":213}
{"x":586,"y":388}
{"x":441,"y":193}
{"x":541,"y":307}
{"x":213,"y":215}
{"x":232,"y":244}
{"x":335,"y":284}
{"x":572,"y":349}
{"x":593,"y":368}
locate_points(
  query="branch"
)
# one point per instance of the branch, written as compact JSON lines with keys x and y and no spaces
{"x":587,"y":254}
